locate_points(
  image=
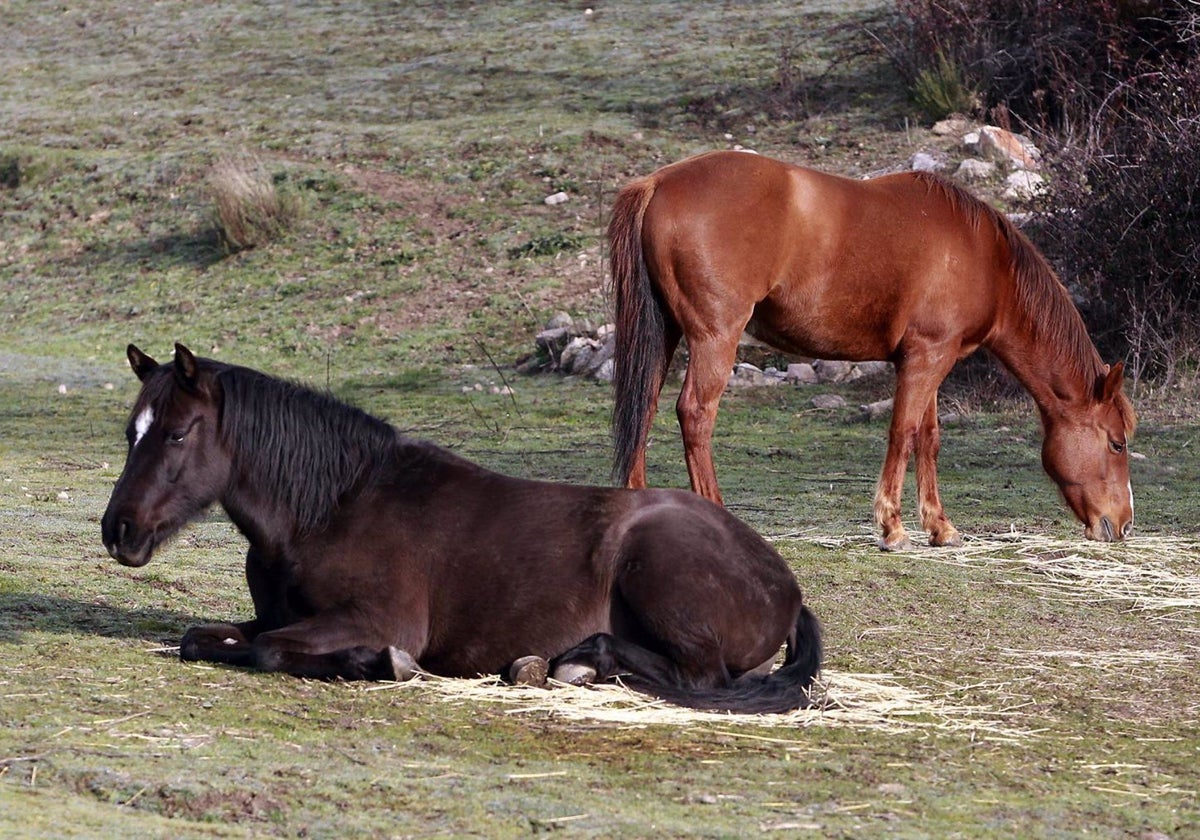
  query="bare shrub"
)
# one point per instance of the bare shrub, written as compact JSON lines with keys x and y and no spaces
{"x":1051,"y":65}
{"x":1123,"y":224}
{"x":249,"y":208}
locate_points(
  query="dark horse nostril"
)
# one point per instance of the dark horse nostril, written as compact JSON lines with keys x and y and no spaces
{"x":1106,"y":526}
{"x":123,"y":528}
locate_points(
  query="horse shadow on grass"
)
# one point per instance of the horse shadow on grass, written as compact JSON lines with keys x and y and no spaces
{"x":24,"y":612}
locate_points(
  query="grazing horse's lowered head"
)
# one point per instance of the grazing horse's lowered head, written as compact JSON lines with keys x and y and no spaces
{"x":1086,"y":453}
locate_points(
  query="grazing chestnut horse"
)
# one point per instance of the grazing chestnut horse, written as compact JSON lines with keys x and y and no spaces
{"x":371,"y":553}
{"x":907,"y":268}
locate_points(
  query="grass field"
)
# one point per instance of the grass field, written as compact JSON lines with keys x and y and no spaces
{"x":1028,"y":684}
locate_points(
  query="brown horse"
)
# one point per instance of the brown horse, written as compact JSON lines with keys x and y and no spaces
{"x":371,"y":553}
{"x":907,"y":268}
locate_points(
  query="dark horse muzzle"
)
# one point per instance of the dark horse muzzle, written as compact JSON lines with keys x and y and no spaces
{"x":125,"y":542}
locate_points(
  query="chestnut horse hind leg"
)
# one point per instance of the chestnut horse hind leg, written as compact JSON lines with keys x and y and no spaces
{"x":709,"y":366}
{"x":914,"y":428}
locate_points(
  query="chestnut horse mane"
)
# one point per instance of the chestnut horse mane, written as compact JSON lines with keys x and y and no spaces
{"x":1044,"y":305}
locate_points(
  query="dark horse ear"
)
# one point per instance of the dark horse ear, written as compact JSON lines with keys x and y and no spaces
{"x":1110,"y":385}
{"x":186,"y":368}
{"x":140,"y":362}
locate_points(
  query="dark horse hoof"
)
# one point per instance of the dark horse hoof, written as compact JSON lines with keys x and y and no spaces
{"x":403,"y":666}
{"x":529,"y":670}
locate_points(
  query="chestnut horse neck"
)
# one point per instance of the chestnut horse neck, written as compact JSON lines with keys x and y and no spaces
{"x":1039,"y":335}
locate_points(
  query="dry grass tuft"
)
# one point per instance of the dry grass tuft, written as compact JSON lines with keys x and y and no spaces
{"x":249,"y":209}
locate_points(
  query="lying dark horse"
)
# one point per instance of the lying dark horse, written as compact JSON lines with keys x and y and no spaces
{"x":369,"y":550}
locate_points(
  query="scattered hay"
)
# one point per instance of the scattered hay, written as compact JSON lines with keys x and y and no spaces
{"x":1159,"y":575}
{"x":863,"y":701}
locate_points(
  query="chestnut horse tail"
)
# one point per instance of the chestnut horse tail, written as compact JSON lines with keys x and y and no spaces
{"x":783,"y":690}
{"x":639,"y":354}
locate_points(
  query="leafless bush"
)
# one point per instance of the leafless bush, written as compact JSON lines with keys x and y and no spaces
{"x":1123,"y":223}
{"x":1049,"y":64}
{"x":249,"y":208}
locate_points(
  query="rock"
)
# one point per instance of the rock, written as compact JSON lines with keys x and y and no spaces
{"x":951,"y":126}
{"x":559,"y":320}
{"x":973,"y":169}
{"x":869,"y":369}
{"x":800,"y":373}
{"x":553,"y":340}
{"x":1013,"y":150}
{"x":832,"y":370}
{"x":602,"y":356}
{"x":557,"y":198}
{"x":828,"y":401}
{"x":877,"y":410}
{"x":970,"y":141}
{"x":747,"y":374}
{"x":605,"y":372}
{"x":1021,"y":185}
{"x":577,"y":355}
{"x":925,"y":162}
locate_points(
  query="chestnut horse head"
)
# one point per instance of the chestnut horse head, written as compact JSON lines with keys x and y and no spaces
{"x":1086,"y":452}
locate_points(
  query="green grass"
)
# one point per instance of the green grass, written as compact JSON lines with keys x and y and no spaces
{"x":421,"y":139}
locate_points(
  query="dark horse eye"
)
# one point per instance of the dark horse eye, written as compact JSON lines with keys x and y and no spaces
{"x":177,"y":437}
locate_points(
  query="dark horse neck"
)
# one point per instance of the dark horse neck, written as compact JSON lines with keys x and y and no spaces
{"x":295,"y":454}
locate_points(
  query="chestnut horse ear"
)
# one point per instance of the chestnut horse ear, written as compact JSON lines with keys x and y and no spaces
{"x":140,"y":362}
{"x":186,"y":367}
{"x":1112,"y":382}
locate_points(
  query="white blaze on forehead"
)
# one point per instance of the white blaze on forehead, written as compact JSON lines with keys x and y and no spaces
{"x":142,"y":424}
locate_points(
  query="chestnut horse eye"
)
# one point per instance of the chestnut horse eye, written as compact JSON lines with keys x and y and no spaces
{"x":1118,"y":448}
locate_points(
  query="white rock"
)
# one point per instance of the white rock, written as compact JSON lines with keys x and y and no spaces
{"x":800,"y":373}
{"x":973,"y":169}
{"x":925,"y":162}
{"x":1023,"y":185}
{"x":557,"y":198}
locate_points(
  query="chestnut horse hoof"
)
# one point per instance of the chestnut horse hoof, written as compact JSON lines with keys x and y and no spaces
{"x":403,"y":666}
{"x":951,"y":539}
{"x":529,"y":670}
{"x":896,"y":543}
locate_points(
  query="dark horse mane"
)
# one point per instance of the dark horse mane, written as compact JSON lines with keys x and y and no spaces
{"x":1050,"y":317}
{"x":309,"y":447}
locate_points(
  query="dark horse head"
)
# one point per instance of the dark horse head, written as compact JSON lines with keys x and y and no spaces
{"x":176,"y":465}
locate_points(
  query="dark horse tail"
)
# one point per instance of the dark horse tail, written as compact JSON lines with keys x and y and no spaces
{"x":639,"y":355}
{"x":783,"y":690}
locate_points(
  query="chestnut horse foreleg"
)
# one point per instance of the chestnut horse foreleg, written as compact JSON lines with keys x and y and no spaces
{"x":709,"y":367}
{"x":918,"y":376}
{"x":933,"y":516}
